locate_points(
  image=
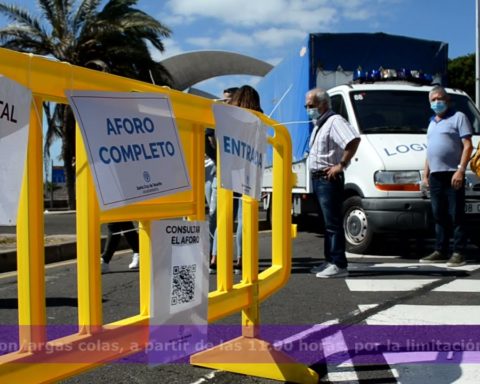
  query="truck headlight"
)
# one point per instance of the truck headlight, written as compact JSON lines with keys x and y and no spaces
{"x":397,"y":180}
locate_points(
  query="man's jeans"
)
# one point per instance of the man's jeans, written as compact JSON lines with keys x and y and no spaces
{"x":448,"y":208}
{"x":330,"y":197}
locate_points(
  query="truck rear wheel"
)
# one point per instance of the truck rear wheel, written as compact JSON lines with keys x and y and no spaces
{"x":358,"y":234}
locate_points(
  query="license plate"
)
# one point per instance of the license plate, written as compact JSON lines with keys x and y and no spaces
{"x":472,"y":208}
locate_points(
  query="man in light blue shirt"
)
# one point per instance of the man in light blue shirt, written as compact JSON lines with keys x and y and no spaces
{"x":449,"y":147}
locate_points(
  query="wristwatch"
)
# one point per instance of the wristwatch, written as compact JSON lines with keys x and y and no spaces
{"x":459,"y":166}
{"x":344,"y":164}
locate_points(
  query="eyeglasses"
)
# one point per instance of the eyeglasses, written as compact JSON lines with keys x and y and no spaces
{"x":309,"y":106}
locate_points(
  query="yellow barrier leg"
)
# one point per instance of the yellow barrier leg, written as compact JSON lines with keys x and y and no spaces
{"x":30,"y":248}
{"x":88,"y":246}
{"x":248,"y":354}
{"x":251,"y":356}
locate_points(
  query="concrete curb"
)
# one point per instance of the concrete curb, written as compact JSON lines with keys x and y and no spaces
{"x":53,"y":253}
{"x":68,"y":250}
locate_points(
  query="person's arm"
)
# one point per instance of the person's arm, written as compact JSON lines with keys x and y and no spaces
{"x":459,"y":176}
{"x":426,"y":173}
{"x":348,"y":153}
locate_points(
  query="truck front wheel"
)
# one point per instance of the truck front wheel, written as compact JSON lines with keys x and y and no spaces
{"x":358,"y":234}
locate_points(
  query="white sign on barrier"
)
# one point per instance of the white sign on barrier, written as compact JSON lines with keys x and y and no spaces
{"x":242,"y":138}
{"x":15,"y":102}
{"x":133,"y":145}
{"x":179,"y":296}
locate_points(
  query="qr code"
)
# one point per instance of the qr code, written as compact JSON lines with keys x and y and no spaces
{"x":183,"y":284}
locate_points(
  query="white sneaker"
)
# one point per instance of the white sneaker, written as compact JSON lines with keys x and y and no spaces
{"x":105,"y":268}
{"x":135,"y":262}
{"x":332,"y":271}
{"x":320,"y":268}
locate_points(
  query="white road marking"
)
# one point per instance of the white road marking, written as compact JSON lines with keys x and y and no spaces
{"x":427,"y":315}
{"x":420,"y":267}
{"x":430,"y":367}
{"x":410,"y":266}
{"x":384,"y":285}
{"x":438,"y":373}
{"x":333,"y":345}
{"x":423,"y":367}
{"x":208,"y":376}
{"x":460,"y":286}
{"x":358,"y":256}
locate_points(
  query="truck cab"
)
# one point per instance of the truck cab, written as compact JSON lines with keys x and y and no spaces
{"x":379,"y":83}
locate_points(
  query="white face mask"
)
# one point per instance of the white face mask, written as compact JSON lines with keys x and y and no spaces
{"x":313,"y":113}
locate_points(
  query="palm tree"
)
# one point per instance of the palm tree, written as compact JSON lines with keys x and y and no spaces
{"x":114,"y":39}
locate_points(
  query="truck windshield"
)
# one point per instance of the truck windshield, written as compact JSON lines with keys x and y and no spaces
{"x":396,"y":111}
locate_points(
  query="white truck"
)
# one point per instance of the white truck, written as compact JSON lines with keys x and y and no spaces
{"x":391,"y":111}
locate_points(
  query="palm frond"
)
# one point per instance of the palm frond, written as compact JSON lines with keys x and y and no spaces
{"x":86,"y":13}
{"x":20,"y":16}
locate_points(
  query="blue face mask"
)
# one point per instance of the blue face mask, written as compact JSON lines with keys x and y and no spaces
{"x":438,"y":106}
{"x":313,"y":113}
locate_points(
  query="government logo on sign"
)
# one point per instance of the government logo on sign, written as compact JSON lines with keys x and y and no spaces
{"x":146,"y":176}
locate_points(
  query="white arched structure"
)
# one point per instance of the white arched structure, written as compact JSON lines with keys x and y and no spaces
{"x":190,"y":68}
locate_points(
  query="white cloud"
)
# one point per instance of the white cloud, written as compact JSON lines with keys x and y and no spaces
{"x":276,"y":37}
{"x":172,"y":20}
{"x":253,"y":27}
{"x":305,"y":14}
{"x":228,"y":39}
{"x":265,"y":29}
{"x":358,"y":10}
{"x":172,"y":48}
{"x":231,"y":40}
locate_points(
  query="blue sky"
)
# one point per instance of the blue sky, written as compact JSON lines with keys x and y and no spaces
{"x":271,"y":29}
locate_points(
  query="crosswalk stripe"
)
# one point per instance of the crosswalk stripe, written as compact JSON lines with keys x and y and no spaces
{"x":407,"y":314}
{"x":438,"y":373}
{"x":460,"y":286}
{"x":430,"y":367}
{"x":384,"y":285}
{"x":360,"y":256}
{"x":410,"y":266}
{"x":343,"y":372}
{"x":422,"y":366}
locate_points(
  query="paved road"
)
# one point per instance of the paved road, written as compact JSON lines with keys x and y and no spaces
{"x":383,"y":288}
{"x":64,"y":222}
{"x":56,"y":223}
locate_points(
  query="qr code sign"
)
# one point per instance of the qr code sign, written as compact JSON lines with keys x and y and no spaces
{"x":183,"y":284}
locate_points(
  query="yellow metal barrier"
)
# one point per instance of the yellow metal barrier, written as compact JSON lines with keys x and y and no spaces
{"x":39,"y":360}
